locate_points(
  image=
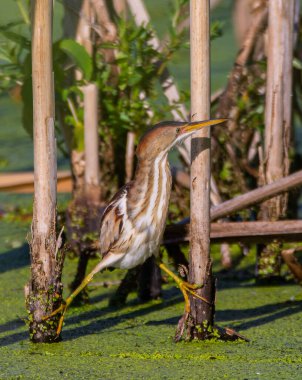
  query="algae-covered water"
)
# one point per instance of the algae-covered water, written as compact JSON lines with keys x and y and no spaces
{"x":136,"y":342}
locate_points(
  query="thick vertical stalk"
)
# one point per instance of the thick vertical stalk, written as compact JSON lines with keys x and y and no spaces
{"x":91,"y":142}
{"x":200,"y":264}
{"x":278,"y":93}
{"x":45,"y":288}
{"x":78,"y":17}
{"x":277,"y":120}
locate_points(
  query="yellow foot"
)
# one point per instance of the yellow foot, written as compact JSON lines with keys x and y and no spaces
{"x":61,"y":310}
{"x":185,"y":288}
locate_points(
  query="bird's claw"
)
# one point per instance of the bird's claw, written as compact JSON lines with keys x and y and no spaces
{"x":190,"y":288}
{"x":194,"y":286}
{"x":186,"y":288}
{"x":61,"y":309}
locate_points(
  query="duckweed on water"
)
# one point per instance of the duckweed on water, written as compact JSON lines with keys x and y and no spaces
{"x":136,"y":342}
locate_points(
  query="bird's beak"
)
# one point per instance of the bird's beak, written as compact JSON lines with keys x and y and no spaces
{"x":194,"y":126}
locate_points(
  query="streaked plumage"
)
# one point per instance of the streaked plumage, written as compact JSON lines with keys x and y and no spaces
{"x":133,"y":223}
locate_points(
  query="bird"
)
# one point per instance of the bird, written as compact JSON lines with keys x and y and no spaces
{"x":133,"y":223}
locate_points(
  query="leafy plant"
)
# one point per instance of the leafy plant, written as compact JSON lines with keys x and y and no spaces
{"x":14,"y":51}
{"x":130,"y":95}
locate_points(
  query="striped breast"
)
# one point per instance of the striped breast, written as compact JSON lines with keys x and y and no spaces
{"x":148,"y":199}
{"x":149,"y":196}
{"x":134,"y":221}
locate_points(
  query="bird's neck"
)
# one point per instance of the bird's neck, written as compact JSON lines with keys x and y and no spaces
{"x":150,"y":190}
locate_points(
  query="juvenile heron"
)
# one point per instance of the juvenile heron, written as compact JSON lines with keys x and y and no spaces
{"x":133,"y":223}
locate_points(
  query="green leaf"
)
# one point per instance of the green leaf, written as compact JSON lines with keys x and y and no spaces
{"x":297,"y":64}
{"x":216,"y":29}
{"x":15,"y":37}
{"x":79,"y":56}
{"x":226,"y":172}
{"x":108,"y":45}
{"x":78,"y":137}
{"x":124,"y":117}
{"x":4,"y":56}
{"x":135,"y":78}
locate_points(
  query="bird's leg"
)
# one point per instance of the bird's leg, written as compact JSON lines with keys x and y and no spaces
{"x":62,"y":309}
{"x":185,"y":287}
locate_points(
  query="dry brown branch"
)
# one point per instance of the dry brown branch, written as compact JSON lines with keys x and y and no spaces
{"x":120,"y":7}
{"x":255,"y":196}
{"x":258,"y":195}
{"x":278,"y":101}
{"x":246,"y":232}
{"x":107,"y":29}
{"x":244,"y":12}
{"x":216,"y":95}
{"x":24,"y":182}
{"x":253,"y":149}
{"x":277,"y":121}
{"x":45,"y":287}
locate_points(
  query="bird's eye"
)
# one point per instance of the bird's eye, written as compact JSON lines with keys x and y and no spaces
{"x":177,"y":130}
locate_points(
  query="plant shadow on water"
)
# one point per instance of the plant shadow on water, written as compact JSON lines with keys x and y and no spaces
{"x":14,"y":259}
{"x":96,"y":326}
{"x":11,"y":325}
{"x":260,"y":315}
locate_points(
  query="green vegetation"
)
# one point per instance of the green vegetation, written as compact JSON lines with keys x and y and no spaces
{"x":136,"y":342}
{"x":223,"y":49}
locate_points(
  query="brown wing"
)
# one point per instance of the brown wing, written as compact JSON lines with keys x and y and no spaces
{"x":112,"y":222}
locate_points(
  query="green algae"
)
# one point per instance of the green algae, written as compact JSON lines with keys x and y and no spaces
{"x":136,"y":342}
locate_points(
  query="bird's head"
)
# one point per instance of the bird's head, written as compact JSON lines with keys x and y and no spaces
{"x":165,"y":135}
